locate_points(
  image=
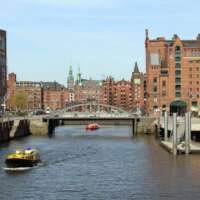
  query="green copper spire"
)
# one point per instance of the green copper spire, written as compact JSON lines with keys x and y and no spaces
{"x":70,"y":78}
{"x":70,"y":71}
{"x":79,"y":77}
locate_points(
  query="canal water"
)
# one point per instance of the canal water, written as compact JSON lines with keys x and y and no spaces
{"x":108,"y":164}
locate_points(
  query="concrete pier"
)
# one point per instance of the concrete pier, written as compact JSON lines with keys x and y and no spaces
{"x":180,"y":140}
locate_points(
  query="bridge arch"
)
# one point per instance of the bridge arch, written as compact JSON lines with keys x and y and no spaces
{"x":95,"y":106}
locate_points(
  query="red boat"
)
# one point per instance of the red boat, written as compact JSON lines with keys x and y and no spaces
{"x":92,"y":127}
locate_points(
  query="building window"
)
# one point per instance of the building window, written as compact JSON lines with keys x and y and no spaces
{"x":155,"y":80}
{"x":178,"y":87}
{"x":155,"y":59}
{"x":178,"y":72}
{"x":155,"y":108}
{"x":163,"y":93}
{"x":163,"y":83}
{"x":190,"y":69}
{"x":178,"y":59}
{"x":178,"y":48}
{"x":178,"y":65}
{"x":178,"y":94}
{"x":194,"y":104}
{"x":178,"y":81}
{"x":190,"y":75}
{"x":164,"y":72}
{"x":155,"y":88}
{"x":197,"y":75}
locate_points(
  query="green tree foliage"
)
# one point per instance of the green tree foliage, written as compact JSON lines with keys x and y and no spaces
{"x":19,"y":100}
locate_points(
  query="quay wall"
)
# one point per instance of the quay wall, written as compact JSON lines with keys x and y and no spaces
{"x":17,"y":128}
{"x":146,"y":125}
{"x":13,"y":129}
{"x":38,"y":128}
{"x":5,"y":128}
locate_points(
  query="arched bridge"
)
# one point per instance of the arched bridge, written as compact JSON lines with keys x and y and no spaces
{"x":95,"y":106}
{"x":82,"y":114}
{"x":88,"y":110}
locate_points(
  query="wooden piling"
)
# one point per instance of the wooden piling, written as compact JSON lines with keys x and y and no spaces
{"x":166,"y":126}
{"x":174,"y":134}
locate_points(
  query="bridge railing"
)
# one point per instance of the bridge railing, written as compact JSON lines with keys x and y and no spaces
{"x":90,"y":115}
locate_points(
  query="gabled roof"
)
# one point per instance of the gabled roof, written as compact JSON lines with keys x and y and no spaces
{"x":191,"y":43}
{"x":52,"y":86}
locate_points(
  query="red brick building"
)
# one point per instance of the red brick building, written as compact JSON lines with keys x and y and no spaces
{"x":55,"y":96}
{"x":11,"y":84}
{"x":173,"y":74}
{"x":33,"y":91}
{"x":41,"y":95}
{"x":138,"y":82}
{"x":107,"y":91}
{"x":119,"y":94}
{"x":123,"y":95}
{"x":87,"y":90}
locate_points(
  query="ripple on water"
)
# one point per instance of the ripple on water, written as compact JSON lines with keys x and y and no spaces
{"x":106,"y":164}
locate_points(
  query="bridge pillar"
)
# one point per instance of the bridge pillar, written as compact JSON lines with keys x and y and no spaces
{"x":133,"y":127}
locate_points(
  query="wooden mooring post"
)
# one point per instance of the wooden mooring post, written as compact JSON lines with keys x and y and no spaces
{"x":174,"y":134}
{"x":165,"y":126}
{"x":187,"y":132}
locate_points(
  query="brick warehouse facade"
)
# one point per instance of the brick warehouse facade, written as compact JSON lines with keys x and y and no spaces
{"x":173,"y":74}
{"x":40,"y":95}
{"x":117,"y":93}
{"x":3,"y":67}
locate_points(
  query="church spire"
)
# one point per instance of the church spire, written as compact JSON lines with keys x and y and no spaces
{"x":79,"y":79}
{"x":70,"y":78}
{"x":136,"y":69}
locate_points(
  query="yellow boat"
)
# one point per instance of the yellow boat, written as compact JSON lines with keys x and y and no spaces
{"x":23,"y":158}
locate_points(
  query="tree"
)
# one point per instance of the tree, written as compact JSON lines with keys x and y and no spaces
{"x":19,"y":100}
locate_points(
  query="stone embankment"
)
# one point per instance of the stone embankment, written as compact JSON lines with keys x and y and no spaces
{"x":38,"y":128}
{"x":12,"y":129}
{"x":145,"y":125}
{"x":5,"y":128}
{"x":15,"y":128}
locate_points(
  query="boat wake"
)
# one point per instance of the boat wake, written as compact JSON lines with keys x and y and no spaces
{"x":19,"y":169}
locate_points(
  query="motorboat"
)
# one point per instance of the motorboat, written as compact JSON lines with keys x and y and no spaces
{"x":92,"y":127}
{"x":22,"y":159}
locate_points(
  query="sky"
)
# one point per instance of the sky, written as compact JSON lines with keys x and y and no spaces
{"x":102,"y":37}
